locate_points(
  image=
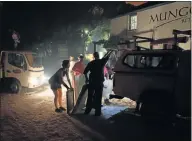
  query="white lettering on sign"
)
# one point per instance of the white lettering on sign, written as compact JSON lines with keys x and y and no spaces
{"x":164,"y":19}
{"x":172,"y":14}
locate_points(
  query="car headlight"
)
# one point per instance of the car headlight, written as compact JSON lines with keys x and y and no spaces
{"x":33,"y":80}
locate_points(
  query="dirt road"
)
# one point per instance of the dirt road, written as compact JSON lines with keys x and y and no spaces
{"x":31,"y":117}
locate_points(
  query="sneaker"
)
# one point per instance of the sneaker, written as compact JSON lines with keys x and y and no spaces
{"x":62,"y":108}
{"x":87,"y":111}
{"x":58,"y":110}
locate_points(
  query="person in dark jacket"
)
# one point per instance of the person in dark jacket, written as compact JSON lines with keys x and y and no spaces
{"x":56,"y":81}
{"x":96,"y":79}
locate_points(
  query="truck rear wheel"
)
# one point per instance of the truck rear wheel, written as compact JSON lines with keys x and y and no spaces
{"x":15,"y":86}
{"x":157,"y":104}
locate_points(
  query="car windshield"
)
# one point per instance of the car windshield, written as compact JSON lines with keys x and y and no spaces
{"x":34,"y":60}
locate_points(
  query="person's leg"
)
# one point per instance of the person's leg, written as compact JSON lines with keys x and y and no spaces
{"x":76,"y":90}
{"x":56,"y":100}
{"x":60,"y":94}
{"x":85,"y":104}
{"x":98,"y":99}
{"x":89,"y":103}
{"x":72,"y":80}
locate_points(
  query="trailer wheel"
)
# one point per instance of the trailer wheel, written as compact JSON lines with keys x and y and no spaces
{"x":15,"y":86}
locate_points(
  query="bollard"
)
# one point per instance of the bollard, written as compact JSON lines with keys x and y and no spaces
{"x":70,"y":101}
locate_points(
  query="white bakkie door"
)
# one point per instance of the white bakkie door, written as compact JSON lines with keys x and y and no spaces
{"x":15,"y":67}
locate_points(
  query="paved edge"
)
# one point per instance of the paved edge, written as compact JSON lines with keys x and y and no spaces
{"x":95,"y":136}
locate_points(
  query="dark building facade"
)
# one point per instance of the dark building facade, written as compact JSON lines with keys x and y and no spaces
{"x":1,"y":7}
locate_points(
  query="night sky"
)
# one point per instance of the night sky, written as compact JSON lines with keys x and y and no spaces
{"x":32,"y":19}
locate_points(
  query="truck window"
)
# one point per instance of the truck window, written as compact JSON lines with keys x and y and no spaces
{"x":130,"y":60}
{"x":150,"y":61}
{"x":16,"y":60}
{"x":34,"y":60}
{"x":112,"y":60}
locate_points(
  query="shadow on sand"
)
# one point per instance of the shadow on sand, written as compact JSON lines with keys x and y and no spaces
{"x":125,"y":126}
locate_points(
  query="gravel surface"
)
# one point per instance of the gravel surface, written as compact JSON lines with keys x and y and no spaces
{"x":31,"y":117}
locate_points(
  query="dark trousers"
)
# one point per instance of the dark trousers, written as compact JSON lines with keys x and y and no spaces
{"x":94,"y":97}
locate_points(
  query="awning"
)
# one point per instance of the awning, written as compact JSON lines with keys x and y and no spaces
{"x":136,"y":3}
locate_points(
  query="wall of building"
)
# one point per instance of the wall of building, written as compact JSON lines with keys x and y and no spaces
{"x":162,"y":19}
{"x":1,"y":7}
{"x":119,"y":26}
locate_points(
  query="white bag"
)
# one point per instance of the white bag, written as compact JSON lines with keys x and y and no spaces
{"x":107,"y":89}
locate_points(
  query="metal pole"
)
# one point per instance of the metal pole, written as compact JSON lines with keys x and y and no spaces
{"x":95,"y":47}
{"x":175,"y":41}
{"x":135,"y":44}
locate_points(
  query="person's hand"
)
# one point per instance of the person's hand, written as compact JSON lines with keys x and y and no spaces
{"x":70,"y":89}
{"x":71,"y":86}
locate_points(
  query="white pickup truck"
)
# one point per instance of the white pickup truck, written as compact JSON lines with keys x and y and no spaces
{"x":158,"y":80}
{"x":20,"y":69}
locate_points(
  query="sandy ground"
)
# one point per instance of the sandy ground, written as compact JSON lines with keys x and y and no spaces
{"x":31,"y":117}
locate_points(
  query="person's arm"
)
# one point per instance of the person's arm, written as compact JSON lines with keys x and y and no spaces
{"x":87,"y":69}
{"x":108,"y":54}
{"x":61,"y":79}
{"x":106,"y":57}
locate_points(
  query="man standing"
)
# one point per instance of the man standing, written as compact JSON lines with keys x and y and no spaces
{"x":78,"y":70}
{"x":96,"y":79}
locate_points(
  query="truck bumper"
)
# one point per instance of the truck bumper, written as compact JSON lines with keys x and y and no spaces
{"x":31,"y":86}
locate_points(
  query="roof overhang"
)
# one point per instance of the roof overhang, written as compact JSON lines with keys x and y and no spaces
{"x":136,"y":3}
